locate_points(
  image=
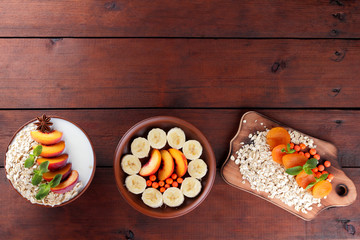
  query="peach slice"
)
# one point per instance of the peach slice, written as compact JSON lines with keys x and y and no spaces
{"x":65,"y":171}
{"x":152,"y":165}
{"x":180,"y":161}
{"x":47,"y":138}
{"x":68,"y":184}
{"x":293,"y":160}
{"x":303,"y":179}
{"x":56,"y":162}
{"x":277,"y":154}
{"x":52,"y":150}
{"x":277,"y":136}
{"x":167,"y":165}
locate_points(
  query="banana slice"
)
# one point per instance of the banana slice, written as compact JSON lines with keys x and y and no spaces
{"x":130,"y":164}
{"x":157,"y":138}
{"x":135,"y":184}
{"x":176,"y":138}
{"x":140,"y":147}
{"x":191,"y":187}
{"x":192,"y":149}
{"x":197,"y":168}
{"x":152,"y":197}
{"x":173,"y":197}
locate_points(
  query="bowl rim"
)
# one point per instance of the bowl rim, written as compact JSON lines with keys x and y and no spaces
{"x":85,"y":187}
{"x":175,"y":121}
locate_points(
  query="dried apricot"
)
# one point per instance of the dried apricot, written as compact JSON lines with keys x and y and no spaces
{"x":303,"y":179}
{"x":293,"y":160}
{"x":277,"y":136}
{"x":277,"y":154}
{"x":322,"y":189}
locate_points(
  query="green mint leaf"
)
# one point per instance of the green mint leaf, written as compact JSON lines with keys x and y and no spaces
{"x":308,"y":171}
{"x":288,"y":147}
{"x":283,"y":150}
{"x":37,"y":150}
{"x":55,"y":181}
{"x":323,"y":177}
{"x":36,"y":179}
{"x":44,"y":166}
{"x":29,"y":162}
{"x":294,"y":170}
{"x":310,"y":185}
{"x":292,"y":151}
{"x":44,"y":190}
{"x":311,"y":163}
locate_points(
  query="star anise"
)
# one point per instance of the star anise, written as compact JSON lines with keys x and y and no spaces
{"x":44,"y":124}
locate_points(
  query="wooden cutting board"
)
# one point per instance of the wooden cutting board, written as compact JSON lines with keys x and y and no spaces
{"x":343,"y":193}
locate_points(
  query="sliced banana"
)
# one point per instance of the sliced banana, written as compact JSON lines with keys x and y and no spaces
{"x":135,"y":184}
{"x":190,"y":187}
{"x":157,"y":138}
{"x":130,"y":164}
{"x":152,"y":197}
{"x":192,"y":149}
{"x":176,"y":138}
{"x":173,"y":197}
{"x":197,"y":168}
{"x":140,"y":147}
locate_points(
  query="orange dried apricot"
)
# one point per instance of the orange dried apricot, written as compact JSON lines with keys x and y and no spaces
{"x":322,"y":189}
{"x":293,"y":160}
{"x":303,"y":179}
{"x":277,"y":136}
{"x":277,"y":154}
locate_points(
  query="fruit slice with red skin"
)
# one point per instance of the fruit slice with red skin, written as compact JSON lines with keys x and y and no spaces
{"x":65,"y":171}
{"x":303,"y":179}
{"x":68,"y":184}
{"x":55,"y":163}
{"x":52,"y":150}
{"x":47,"y":138}
{"x":293,"y":160}
{"x":152,"y":165}
{"x":180,"y":161}
{"x":167,"y":165}
{"x":277,"y":154}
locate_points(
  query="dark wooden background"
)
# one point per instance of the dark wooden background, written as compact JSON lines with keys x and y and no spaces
{"x":108,"y":64}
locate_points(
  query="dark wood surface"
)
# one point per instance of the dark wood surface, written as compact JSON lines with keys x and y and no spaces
{"x":189,"y":18}
{"x":107,"y":64}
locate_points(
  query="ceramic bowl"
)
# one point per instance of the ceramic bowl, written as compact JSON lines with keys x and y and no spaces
{"x":141,"y":129}
{"x":78,"y":147}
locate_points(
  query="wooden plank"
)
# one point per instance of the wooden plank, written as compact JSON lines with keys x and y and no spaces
{"x":190,"y":18}
{"x":123,"y":73}
{"x":227,"y":213}
{"x":106,"y":127}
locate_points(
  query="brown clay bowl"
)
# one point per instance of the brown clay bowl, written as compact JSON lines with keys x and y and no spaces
{"x":166,"y":123}
{"x":85,"y":166}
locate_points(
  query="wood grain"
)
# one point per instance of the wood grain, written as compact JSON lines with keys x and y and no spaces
{"x":227,"y":213}
{"x":190,"y":18}
{"x":180,"y":73}
{"x":250,"y":123}
{"x":106,"y":127}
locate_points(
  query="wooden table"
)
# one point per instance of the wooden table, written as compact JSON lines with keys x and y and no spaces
{"x":107,"y":64}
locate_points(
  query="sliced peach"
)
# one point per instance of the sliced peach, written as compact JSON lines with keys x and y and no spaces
{"x":52,"y":150}
{"x":65,"y":171}
{"x":180,"y":161}
{"x":56,"y":162}
{"x":303,"y":179}
{"x":322,"y":189}
{"x":277,"y":136}
{"x":167,"y":165}
{"x":68,"y":184}
{"x":47,"y":138}
{"x":293,"y":160}
{"x":152,"y":165}
{"x":277,"y":154}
